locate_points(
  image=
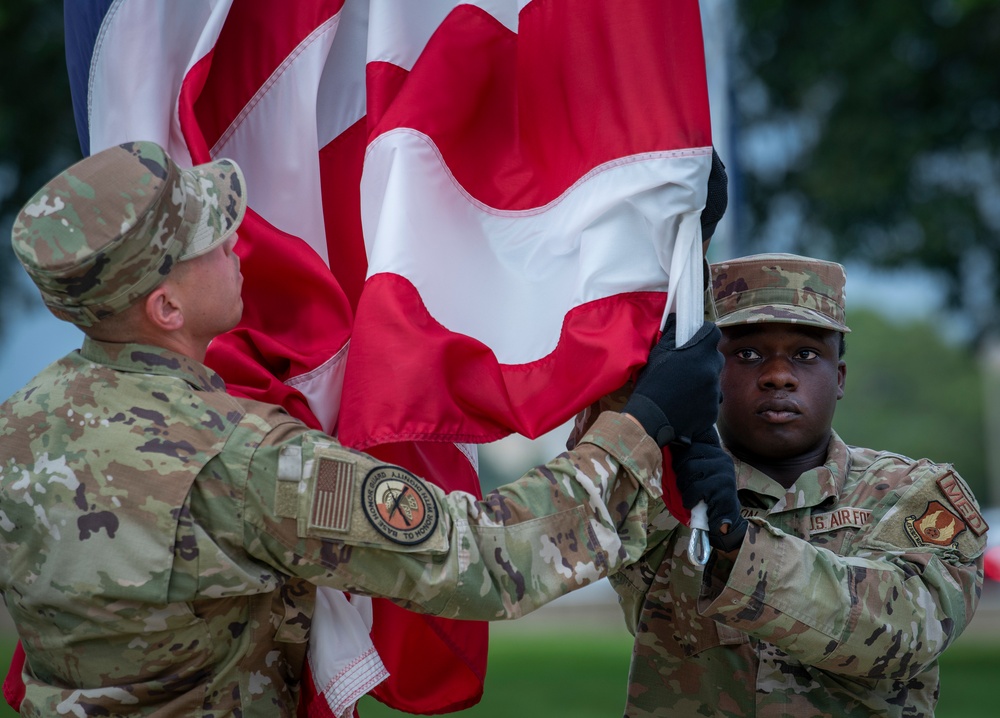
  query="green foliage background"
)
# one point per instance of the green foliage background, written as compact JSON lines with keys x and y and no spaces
{"x":911,"y":393}
{"x":37,"y":132}
{"x":876,"y":125}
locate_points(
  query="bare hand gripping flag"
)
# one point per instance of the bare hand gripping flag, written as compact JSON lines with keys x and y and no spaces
{"x":464,"y":220}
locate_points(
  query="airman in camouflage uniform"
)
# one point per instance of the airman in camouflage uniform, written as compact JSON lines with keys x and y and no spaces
{"x":161,"y":540}
{"x":859,"y":567}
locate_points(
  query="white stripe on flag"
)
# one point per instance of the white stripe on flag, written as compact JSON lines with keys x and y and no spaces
{"x":513,"y":275}
{"x":144,"y":51}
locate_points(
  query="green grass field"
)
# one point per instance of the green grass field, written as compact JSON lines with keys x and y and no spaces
{"x":583,"y":674}
{"x":553,"y":674}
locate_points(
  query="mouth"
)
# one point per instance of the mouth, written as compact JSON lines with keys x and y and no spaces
{"x":778,"y":412}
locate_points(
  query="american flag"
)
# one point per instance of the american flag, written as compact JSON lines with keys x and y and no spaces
{"x":485,"y":202}
{"x":332,"y":506}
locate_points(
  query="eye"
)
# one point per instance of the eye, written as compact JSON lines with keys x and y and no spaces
{"x":806,"y":354}
{"x":746,"y":354}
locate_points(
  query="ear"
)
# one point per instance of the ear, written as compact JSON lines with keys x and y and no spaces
{"x":163,"y":310}
{"x":841,"y":379}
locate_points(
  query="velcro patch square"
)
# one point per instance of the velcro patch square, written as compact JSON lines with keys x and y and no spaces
{"x":331,"y":504}
{"x":286,"y":496}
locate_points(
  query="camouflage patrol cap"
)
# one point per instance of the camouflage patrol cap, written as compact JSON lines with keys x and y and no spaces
{"x":109,"y":229}
{"x":781,"y":288}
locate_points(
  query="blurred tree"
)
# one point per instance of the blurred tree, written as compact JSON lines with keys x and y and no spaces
{"x":37,"y":133}
{"x":911,"y":393}
{"x":872,"y":131}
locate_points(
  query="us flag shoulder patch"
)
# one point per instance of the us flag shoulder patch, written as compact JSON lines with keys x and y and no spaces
{"x":331,"y":505}
{"x":399,"y":505}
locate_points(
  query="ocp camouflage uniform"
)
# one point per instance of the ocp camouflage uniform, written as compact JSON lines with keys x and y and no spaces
{"x":223,"y":513}
{"x":848,"y":587}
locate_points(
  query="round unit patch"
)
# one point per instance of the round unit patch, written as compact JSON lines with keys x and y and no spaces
{"x":398,"y":505}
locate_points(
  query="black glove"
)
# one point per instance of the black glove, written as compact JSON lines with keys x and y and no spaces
{"x":718,"y":198}
{"x":677,"y":394}
{"x":705,"y":473}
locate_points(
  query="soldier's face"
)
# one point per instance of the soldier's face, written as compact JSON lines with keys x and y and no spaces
{"x":213,"y":285}
{"x":780,"y":387}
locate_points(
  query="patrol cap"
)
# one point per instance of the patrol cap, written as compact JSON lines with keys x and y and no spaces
{"x":781,"y":288}
{"x":110,"y":228}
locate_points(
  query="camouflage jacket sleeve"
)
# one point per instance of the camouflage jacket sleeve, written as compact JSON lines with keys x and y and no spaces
{"x":885,"y":606}
{"x":340,"y":518}
{"x":612,"y":401}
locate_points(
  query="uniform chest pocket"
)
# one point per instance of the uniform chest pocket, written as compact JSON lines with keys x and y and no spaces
{"x":118,"y":552}
{"x":707,"y":633}
{"x":670,"y":611}
{"x":292,"y":609}
{"x":102,"y":531}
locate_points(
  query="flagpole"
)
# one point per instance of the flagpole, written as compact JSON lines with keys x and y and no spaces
{"x":690,"y":314}
{"x":686,"y":299}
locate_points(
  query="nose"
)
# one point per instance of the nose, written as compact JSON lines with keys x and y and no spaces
{"x":778,"y":373}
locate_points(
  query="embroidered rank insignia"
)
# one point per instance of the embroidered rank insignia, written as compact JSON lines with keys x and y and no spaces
{"x":398,"y":505}
{"x":331,"y":506}
{"x":937,"y":526}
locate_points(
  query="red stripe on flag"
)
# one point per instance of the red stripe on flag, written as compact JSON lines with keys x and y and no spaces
{"x":13,"y":685}
{"x":255,"y":40}
{"x":465,"y":394}
{"x":190,"y":90}
{"x":340,"y":168}
{"x":519,"y":118}
{"x":383,"y":82}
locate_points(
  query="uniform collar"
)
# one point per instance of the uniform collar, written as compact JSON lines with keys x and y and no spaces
{"x":148,"y":359}
{"x":812,"y":488}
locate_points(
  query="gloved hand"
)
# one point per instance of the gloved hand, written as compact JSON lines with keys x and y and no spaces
{"x":718,"y":197}
{"x":705,"y":473}
{"x":677,"y":393}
